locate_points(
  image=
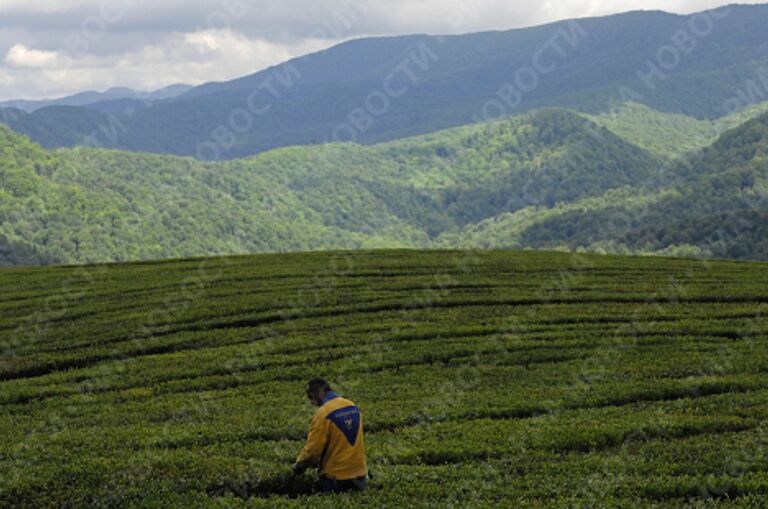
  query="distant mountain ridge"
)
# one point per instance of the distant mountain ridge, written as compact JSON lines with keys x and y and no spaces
{"x":91,"y":97}
{"x":381,"y":89}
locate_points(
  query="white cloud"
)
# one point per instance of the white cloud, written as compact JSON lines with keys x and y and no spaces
{"x":21,"y":56}
{"x":194,"y":58}
{"x":226,"y":46}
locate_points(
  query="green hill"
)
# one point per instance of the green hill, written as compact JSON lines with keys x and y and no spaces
{"x":668,"y":134}
{"x":693,"y":65}
{"x":485,"y":378}
{"x":87,"y":205}
{"x":546,"y":179}
{"x":715,"y":204}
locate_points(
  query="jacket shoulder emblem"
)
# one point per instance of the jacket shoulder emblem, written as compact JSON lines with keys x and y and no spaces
{"x":347,"y":419}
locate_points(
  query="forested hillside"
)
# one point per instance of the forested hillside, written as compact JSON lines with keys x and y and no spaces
{"x":670,"y":135}
{"x":714,"y":205}
{"x":546,"y":179}
{"x":87,"y":205}
{"x":693,"y":65}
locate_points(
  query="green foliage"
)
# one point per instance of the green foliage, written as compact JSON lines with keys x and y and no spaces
{"x":546,"y":179}
{"x":667,"y":134}
{"x":485,"y":378}
{"x":88,"y":205}
{"x":18,"y":253}
{"x":711,"y":204}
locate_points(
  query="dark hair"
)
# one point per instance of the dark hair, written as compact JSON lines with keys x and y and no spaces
{"x":317,"y":384}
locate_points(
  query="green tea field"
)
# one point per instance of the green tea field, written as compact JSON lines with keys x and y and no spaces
{"x":486,"y":379}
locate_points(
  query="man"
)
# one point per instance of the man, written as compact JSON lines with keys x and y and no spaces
{"x":335,"y":442}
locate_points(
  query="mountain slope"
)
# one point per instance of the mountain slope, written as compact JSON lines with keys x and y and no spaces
{"x":380,"y":89}
{"x":716,"y":205}
{"x":670,"y":135}
{"x":723,"y":206}
{"x":15,"y":254}
{"x":56,"y":125}
{"x":83,"y":205}
{"x":545,"y":179}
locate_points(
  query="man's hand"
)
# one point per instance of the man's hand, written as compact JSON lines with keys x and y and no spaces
{"x":299,"y":468}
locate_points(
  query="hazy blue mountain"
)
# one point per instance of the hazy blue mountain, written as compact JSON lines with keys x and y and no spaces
{"x":416,"y":84}
{"x":91,"y":97}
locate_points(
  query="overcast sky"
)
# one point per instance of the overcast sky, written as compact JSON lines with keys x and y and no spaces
{"x":51,"y":48}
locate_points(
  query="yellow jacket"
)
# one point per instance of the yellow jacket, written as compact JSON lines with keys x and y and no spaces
{"x":335,"y":441}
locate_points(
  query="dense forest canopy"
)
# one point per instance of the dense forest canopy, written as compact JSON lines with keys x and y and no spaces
{"x":547,"y":179}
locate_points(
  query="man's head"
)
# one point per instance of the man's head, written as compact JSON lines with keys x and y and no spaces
{"x":317,"y":389}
